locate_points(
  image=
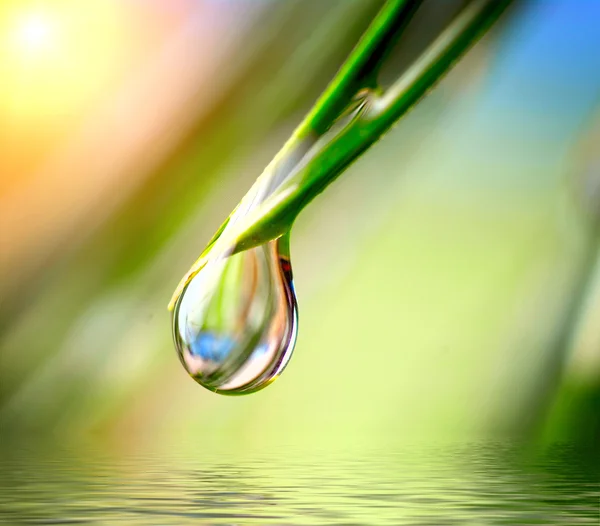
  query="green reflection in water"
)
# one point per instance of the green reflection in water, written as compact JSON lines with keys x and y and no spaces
{"x":472,"y":484}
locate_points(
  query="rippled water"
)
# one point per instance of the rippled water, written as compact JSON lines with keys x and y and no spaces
{"x":471,"y":485}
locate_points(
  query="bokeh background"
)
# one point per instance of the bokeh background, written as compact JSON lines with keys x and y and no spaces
{"x":447,"y":283}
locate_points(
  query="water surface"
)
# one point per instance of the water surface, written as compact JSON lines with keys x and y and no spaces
{"x":472,"y":484}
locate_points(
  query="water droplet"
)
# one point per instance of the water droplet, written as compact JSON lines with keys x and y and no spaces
{"x":235,"y":322}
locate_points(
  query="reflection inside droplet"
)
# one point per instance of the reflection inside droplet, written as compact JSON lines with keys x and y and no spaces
{"x":234,"y":324}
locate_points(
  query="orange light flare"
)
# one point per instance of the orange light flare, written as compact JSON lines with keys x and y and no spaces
{"x":82,"y":85}
{"x":56,"y":58}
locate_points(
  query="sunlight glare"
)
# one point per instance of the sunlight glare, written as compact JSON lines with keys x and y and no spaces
{"x":57,"y":58}
{"x":34,"y":32}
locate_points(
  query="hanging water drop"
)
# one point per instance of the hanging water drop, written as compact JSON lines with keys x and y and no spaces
{"x":235,"y":322}
{"x":235,"y":316}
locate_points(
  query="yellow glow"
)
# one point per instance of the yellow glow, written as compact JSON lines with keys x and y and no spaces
{"x":34,"y":32}
{"x":58,"y":57}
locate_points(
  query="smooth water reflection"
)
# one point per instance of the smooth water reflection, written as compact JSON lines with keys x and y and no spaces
{"x":471,"y":485}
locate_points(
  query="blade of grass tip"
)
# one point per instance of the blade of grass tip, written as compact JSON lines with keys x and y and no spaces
{"x":275,"y":216}
{"x":360,"y":68}
{"x":277,"y":213}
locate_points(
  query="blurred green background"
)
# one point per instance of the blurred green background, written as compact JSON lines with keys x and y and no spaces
{"x":446,"y":283}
